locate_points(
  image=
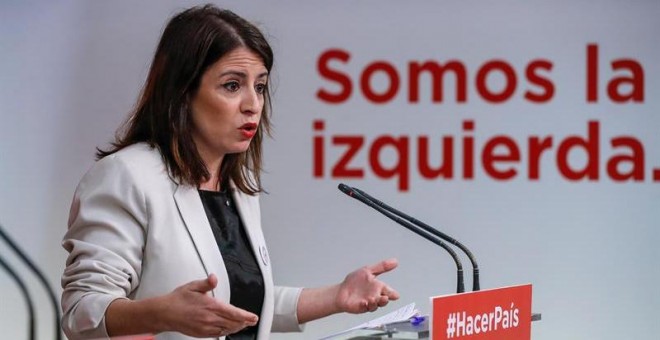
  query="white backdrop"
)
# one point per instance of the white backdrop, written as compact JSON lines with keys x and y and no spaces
{"x":70,"y":72}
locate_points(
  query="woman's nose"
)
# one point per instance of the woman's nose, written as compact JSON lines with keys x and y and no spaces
{"x":252,"y":102}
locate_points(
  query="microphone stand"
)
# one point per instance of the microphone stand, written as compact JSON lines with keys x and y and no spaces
{"x":24,"y":292}
{"x":428,"y":228}
{"x":42,"y":279}
{"x":358,"y":195}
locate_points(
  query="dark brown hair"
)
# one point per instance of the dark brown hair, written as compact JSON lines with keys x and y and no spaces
{"x":192,"y":41}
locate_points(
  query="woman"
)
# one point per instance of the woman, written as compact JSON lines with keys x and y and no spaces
{"x":165,"y":230}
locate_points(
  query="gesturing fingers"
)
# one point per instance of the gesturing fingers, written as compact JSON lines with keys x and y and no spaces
{"x":235,"y":315}
{"x":196,"y":313}
{"x":224,"y":327}
{"x":383,"y":266}
{"x":390,"y":293}
{"x":227,"y":319}
{"x":383,"y":300}
{"x":371,"y":305}
{"x":362,"y":292}
{"x":204,"y":285}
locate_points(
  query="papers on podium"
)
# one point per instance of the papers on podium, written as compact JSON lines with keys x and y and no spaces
{"x":404,"y":313}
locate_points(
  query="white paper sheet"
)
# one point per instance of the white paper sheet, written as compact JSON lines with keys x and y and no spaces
{"x":402,"y":314}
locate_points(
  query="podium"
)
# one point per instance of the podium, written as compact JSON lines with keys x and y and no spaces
{"x":405,"y":330}
{"x":397,"y":331}
{"x":500,"y":313}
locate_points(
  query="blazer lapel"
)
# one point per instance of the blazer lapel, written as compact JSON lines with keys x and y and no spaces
{"x":250,"y":213}
{"x":248,"y":209}
{"x":194,"y":217}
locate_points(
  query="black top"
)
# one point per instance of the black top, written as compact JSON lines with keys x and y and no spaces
{"x":245,"y":279}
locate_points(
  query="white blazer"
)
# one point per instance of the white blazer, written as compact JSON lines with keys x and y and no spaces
{"x":136,"y":233}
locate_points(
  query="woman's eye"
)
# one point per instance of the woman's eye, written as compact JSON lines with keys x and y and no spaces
{"x":260,"y":88}
{"x":231,"y":86}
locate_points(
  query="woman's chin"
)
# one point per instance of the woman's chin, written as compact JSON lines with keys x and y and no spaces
{"x":240,"y":148}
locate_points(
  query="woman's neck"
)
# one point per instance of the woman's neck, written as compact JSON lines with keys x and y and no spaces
{"x":213,"y":184}
{"x":212,"y":161}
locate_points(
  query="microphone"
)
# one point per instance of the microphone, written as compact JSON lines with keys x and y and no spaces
{"x":358,"y":195}
{"x":428,"y":228}
{"x":42,"y":279}
{"x":26,"y":295}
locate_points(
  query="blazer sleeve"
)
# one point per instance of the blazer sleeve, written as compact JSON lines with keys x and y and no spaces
{"x":285,"y":316}
{"x":105,"y":240}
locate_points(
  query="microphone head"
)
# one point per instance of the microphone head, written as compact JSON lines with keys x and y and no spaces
{"x":345,"y":189}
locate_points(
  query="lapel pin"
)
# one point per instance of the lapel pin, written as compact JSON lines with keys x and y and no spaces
{"x":264,"y":255}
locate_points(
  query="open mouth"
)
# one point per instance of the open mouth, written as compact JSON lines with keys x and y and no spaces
{"x":248,"y":129}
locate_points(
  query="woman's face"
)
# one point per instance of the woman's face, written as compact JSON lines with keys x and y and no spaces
{"x":227,"y":106}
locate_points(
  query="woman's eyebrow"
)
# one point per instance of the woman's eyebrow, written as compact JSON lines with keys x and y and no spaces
{"x":233,"y":73}
{"x":241,"y":74}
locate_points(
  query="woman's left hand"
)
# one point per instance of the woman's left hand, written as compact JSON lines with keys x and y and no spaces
{"x":361,"y":291}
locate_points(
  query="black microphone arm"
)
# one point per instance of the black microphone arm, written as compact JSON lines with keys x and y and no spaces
{"x":42,"y":279}
{"x":358,"y":195}
{"x":26,"y":295}
{"x":428,"y":228}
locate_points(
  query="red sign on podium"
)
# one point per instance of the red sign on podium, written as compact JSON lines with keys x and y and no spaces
{"x":502,"y":313}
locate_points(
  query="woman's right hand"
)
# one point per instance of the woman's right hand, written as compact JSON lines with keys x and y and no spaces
{"x":190,"y":310}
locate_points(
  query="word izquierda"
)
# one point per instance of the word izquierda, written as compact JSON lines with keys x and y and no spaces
{"x":458,"y":157}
